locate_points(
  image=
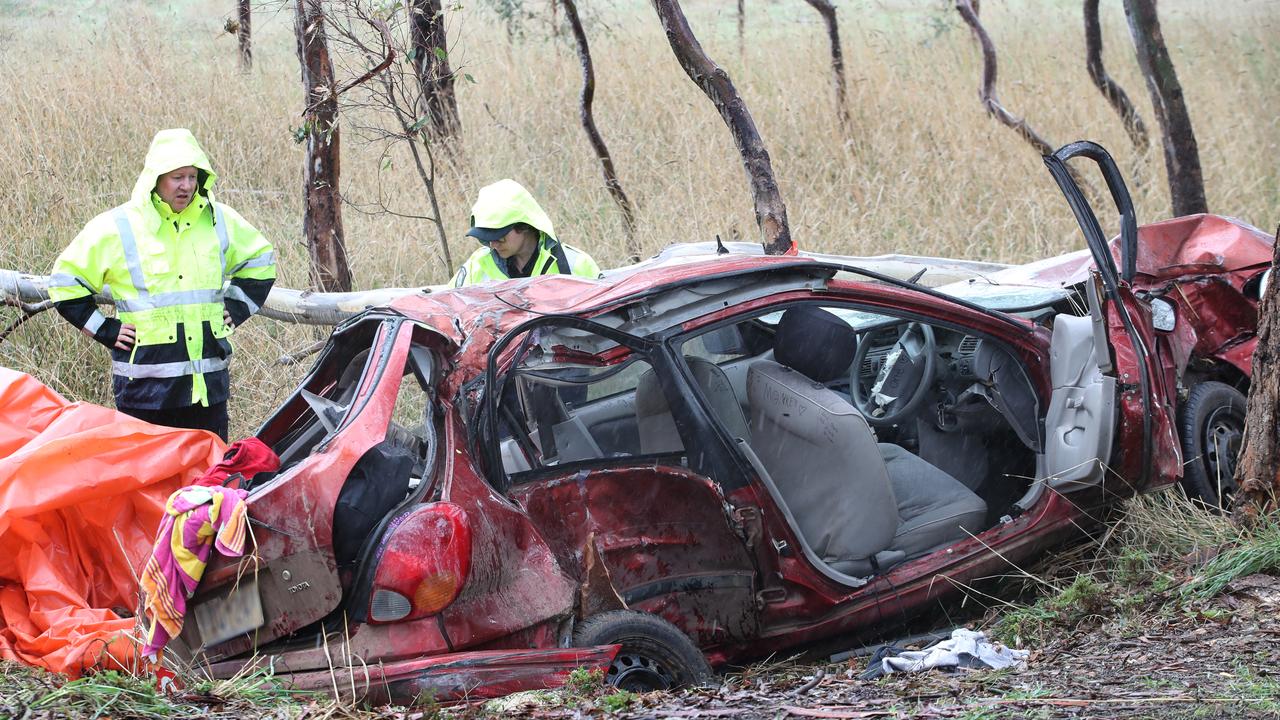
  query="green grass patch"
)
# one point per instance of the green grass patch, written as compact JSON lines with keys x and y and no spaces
{"x":1257,"y":552}
{"x":1084,"y":598}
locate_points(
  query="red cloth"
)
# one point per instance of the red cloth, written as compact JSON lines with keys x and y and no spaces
{"x":247,"y":457}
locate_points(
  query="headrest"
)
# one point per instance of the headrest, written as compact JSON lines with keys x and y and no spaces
{"x":814,"y":342}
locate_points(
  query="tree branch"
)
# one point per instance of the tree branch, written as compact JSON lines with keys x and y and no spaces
{"x":771,"y":212}
{"x":597,"y":143}
{"x":1110,"y":89}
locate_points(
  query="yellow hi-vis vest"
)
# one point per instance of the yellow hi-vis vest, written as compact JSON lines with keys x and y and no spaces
{"x":485,"y":265}
{"x":166,"y":269}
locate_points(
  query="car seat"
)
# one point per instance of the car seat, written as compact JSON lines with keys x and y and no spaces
{"x":852,"y":497}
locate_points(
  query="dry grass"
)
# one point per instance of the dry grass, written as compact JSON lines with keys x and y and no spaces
{"x":86,"y":84}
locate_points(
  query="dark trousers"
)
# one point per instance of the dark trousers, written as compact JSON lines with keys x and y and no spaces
{"x":197,"y":417}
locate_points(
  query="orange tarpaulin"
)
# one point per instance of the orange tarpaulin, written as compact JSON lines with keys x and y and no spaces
{"x":82,"y":490}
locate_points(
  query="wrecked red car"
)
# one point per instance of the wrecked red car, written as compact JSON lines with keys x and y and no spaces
{"x":713,"y":456}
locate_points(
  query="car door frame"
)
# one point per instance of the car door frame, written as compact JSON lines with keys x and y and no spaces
{"x":713,"y":465}
{"x":1131,"y":335}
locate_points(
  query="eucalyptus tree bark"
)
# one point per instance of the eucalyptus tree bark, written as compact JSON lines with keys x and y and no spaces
{"x":1181,"y":154}
{"x":597,"y":143}
{"x":828,"y":12}
{"x":1258,"y":470}
{"x":244,"y":17}
{"x":987,"y":94}
{"x":431,"y":61}
{"x":322,"y":218}
{"x":1109,"y":88}
{"x":771,"y":212}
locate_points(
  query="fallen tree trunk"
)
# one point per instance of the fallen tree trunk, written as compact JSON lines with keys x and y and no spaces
{"x":283,"y":304}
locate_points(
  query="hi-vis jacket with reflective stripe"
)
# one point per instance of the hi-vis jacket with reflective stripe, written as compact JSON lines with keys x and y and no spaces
{"x":485,"y":265}
{"x":168,"y":274}
{"x":501,"y":205}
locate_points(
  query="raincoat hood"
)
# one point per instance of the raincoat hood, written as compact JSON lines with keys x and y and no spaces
{"x":506,"y":202}
{"x":170,"y":150}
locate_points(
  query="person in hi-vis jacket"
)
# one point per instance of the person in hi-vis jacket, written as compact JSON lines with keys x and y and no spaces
{"x":517,"y":240}
{"x":183,"y":271}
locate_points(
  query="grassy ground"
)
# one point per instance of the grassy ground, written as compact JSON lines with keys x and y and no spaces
{"x":922,"y":169}
{"x":1168,"y":612}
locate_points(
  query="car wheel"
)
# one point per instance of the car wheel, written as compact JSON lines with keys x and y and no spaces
{"x":1211,"y":428}
{"x":655,"y":654}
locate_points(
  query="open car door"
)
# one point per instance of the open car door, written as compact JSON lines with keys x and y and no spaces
{"x":1107,"y":389}
{"x":337,"y":431}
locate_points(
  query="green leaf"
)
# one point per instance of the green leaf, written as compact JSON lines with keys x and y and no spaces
{"x":417,"y":124}
{"x":469,"y":78}
{"x":440,"y":53}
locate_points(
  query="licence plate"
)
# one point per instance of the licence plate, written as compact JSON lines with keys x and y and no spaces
{"x":221,"y":619}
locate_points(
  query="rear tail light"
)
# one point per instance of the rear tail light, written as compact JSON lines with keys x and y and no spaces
{"x":424,"y":564}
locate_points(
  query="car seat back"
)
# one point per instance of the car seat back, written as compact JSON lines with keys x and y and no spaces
{"x":823,"y":459}
{"x":658,"y":433}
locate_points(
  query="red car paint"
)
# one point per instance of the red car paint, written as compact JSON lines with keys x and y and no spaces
{"x":657,"y":539}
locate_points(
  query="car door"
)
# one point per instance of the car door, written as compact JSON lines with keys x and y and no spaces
{"x":586,"y":429}
{"x":335,"y":423}
{"x":1108,"y":369}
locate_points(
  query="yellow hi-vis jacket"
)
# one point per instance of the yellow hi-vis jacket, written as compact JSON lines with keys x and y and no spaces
{"x":505,"y":203}
{"x":171,"y":275}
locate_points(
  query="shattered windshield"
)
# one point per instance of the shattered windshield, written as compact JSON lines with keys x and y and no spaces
{"x":1005,"y":298}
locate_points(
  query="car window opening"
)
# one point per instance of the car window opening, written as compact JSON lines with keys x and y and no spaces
{"x":876,"y":456}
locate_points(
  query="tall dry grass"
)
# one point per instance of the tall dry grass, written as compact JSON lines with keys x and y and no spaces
{"x":85,"y":85}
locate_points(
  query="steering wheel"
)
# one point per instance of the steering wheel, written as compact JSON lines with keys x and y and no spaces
{"x":903,"y":381}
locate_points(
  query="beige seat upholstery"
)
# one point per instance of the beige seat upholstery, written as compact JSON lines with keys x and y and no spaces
{"x":853,"y":499}
{"x":658,"y":433}
{"x":824,"y":461}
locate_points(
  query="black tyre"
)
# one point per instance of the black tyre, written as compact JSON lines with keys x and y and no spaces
{"x":655,"y":655}
{"x":1211,"y":428}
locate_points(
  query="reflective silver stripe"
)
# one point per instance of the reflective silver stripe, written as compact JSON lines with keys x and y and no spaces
{"x":220,"y":227}
{"x":168,"y":370}
{"x":95,"y":321}
{"x":169,"y":299}
{"x":266,"y":259}
{"x":236,"y":293}
{"x":64,"y":280}
{"x":131,"y":256}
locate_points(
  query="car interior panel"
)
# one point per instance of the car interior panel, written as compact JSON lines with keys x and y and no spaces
{"x":950,"y":469}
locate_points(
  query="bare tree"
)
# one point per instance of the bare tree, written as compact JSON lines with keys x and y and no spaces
{"x":828,"y":12}
{"x":429,"y":50}
{"x":1258,"y":470}
{"x":597,"y":142}
{"x":394,"y":109}
{"x":742,"y":29}
{"x":244,"y":16}
{"x":1109,"y":88}
{"x":322,"y":220}
{"x":1181,"y":154}
{"x":771,"y":213}
{"x":987,"y":92}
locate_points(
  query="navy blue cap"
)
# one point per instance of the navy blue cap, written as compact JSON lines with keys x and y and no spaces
{"x":489,"y":235}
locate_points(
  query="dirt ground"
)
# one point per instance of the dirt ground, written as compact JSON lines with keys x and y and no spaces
{"x":1216,"y":659}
